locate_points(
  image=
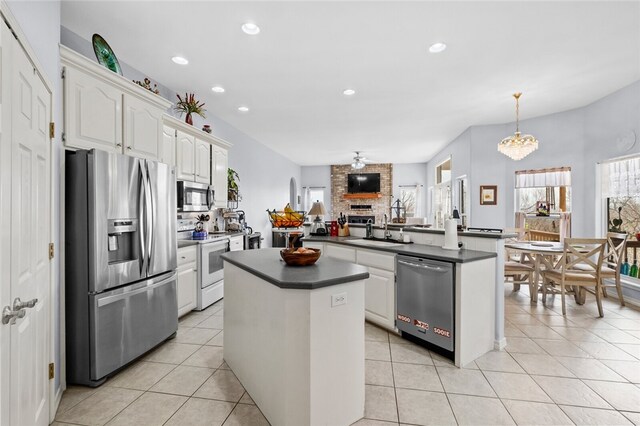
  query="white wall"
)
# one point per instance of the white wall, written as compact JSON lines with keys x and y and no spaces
{"x":40,"y":23}
{"x":264,"y":174}
{"x":577,"y":138}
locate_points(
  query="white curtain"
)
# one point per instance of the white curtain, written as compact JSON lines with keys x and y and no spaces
{"x":307,"y":199}
{"x":543,"y":178}
{"x":621,"y":178}
{"x":565,"y":226}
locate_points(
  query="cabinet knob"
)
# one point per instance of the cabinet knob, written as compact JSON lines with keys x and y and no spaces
{"x":129,"y":147}
{"x":118,"y":144}
{"x":183,"y":257}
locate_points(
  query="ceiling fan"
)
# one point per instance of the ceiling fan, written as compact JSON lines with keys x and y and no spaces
{"x":358,"y":161}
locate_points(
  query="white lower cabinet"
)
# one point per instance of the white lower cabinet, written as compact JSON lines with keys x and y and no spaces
{"x":379,"y":297}
{"x":187,"y":282}
{"x":236,"y":243}
{"x":379,"y":288}
{"x":341,"y":252}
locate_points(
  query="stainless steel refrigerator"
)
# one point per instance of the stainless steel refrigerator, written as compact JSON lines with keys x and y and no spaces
{"x":120,"y":261}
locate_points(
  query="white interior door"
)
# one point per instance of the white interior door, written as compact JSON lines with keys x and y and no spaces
{"x":26,"y":113}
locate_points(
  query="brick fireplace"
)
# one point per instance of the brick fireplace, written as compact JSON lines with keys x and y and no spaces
{"x":361,"y":208}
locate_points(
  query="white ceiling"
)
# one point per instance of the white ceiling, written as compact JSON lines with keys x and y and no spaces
{"x":409,"y":103}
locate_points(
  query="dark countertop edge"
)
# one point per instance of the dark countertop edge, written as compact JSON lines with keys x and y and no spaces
{"x":477,"y":254}
{"x":412,"y":228}
{"x":299,"y":286}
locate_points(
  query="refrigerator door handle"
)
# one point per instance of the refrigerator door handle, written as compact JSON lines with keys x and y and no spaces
{"x":151,"y":220}
{"x":141,"y":227}
{"x":107,"y":300}
{"x":210,"y":197}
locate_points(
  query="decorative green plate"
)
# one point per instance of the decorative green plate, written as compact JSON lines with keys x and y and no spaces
{"x":105,"y":55}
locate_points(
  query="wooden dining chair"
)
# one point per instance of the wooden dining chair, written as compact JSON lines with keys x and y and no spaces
{"x":613,"y":257}
{"x":580,"y":266}
{"x":519,"y":272}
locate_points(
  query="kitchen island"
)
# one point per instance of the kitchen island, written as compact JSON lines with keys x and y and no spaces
{"x":294,"y":336}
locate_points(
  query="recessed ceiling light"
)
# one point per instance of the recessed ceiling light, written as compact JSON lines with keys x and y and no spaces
{"x":180,"y":60}
{"x":218,"y":89}
{"x":243,"y":109}
{"x":250,"y":28}
{"x":348,"y":92}
{"x":437,"y":47}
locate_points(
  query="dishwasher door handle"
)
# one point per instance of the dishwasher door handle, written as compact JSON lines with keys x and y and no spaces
{"x":427,"y":267}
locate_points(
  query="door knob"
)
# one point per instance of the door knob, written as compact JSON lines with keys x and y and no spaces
{"x":20,"y":305}
{"x":9,"y":315}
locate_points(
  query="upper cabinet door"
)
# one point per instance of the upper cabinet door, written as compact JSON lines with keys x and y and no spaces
{"x":168,"y":148}
{"x":185,"y":157}
{"x":93,"y":113}
{"x":203,"y":162}
{"x":220,"y":178}
{"x":142,"y":128}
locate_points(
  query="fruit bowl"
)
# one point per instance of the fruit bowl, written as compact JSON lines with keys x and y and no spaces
{"x":295,"y":257}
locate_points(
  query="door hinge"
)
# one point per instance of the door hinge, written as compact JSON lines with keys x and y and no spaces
{"x":51,"y":251}
{"x":64,"y":72}
{"x":52,"y":371}
{"x":52,"y":130}
{"x":63,"y":137}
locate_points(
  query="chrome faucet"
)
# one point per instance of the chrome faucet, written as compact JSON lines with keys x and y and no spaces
{"x":387,"y":233}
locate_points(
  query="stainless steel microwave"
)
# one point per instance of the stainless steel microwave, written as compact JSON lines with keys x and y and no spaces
{"x":194,"y":197}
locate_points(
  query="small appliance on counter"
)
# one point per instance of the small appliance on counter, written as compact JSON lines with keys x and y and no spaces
{"x":318,"y":227}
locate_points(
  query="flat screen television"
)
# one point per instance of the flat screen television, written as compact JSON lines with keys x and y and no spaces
{"x":363,"y":182}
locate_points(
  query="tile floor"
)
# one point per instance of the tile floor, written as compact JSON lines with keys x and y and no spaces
{"x":578,"y":369}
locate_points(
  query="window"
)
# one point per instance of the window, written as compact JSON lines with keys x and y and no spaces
{"x":621,"y":189}
{"x":311,"y":195}
{"x":408,"y":199}
{"x":620,"y":192}
{"x":442,"y":194}
{"x":546,"y":190}
{"x":463,"y":200}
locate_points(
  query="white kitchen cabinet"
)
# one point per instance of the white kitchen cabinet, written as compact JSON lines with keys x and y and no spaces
{"x":203,"y":162}
{"x":379,"y":297}
{"x":185,"y":156}
{"x":168,"y":148}
{"x":142,"y":128}
{"x":106,"y":111}
{"x":236,"y":243}
{"x":314,"y":245}
{"x":187,"y":280}
{"x":339,"y":252}
{"x":92,"y":112}
{"x":220,"y":176}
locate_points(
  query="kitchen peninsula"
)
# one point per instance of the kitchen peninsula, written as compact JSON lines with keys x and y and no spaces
{"x":294,"y":336}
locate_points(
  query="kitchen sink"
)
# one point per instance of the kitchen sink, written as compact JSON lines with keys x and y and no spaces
{"x":374,"y":243}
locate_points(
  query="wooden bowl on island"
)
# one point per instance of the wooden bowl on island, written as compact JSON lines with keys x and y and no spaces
{"x":300,"y":256}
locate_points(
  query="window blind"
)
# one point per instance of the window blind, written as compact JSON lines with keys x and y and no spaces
{"x":542,"y":178}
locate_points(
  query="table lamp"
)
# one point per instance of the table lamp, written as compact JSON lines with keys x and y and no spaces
{"x":318,"y":227}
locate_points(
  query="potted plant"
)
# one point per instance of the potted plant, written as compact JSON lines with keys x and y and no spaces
{"x":189,"y":105}
{"x":232,"y":185}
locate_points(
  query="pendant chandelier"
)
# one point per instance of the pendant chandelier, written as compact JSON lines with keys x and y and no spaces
{"x":518,"y":146}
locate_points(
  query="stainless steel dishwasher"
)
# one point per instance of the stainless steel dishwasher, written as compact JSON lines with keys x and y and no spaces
{"x":425,"y":301}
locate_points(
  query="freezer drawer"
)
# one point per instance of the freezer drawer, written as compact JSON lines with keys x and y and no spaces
{"x":129,"y":321}
{"x":425,"y":300}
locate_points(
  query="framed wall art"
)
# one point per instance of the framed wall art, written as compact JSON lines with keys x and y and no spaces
{"x":488,"y":195}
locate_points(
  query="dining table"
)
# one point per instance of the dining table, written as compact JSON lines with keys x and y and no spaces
{"x":544,"y":255}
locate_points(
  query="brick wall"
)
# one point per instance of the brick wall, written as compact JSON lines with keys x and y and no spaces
{"x":379,"y":206}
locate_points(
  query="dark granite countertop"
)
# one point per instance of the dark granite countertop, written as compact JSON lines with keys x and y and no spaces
{"x":417,"y":250}
{"x":421,"y":230}
{"x":268,"y":265}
